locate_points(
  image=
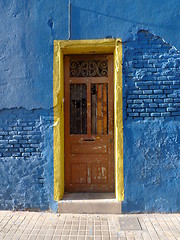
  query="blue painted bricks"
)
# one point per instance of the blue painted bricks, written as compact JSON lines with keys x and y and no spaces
{"x":151,"y":76}
{"x":151,"y":96}
{"x":26,"y":170}
{"x":151,"y":165}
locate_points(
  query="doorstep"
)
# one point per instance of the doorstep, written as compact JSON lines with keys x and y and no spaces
{"x":97,"y":203}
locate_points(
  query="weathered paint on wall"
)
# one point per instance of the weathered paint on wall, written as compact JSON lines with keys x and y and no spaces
{"x":26,"y":167}
{"x":29,"y":28}
{"x":151,"y":158}
{"x":151,"y":70}
{"x":26,"y":83}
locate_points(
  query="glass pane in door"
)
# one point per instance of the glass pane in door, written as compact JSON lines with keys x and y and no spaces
{"x":99,"y":108}
{"x":78,"y":109}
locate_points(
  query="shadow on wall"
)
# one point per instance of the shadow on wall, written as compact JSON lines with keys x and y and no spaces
{"x":97,"y":21}
{"x":75,"y":23}
{"x":76,"y":12}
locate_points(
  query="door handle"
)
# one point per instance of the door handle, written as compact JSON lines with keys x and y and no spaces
{"x":89,"y":140}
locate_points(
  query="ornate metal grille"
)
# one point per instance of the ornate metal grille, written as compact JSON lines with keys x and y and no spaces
{"x":89,"y":68}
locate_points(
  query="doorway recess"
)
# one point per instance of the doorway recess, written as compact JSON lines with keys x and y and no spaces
{"x":100,"y":46}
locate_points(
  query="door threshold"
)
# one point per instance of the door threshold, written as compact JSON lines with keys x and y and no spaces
{"x":94,"y":203}
{"x":88,"y":196}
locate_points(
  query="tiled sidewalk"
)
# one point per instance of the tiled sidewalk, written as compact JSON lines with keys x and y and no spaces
{"x":40,"y":225}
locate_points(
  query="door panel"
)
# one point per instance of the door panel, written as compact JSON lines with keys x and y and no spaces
{"x":99,"y":108}
{"x":89,"y":164}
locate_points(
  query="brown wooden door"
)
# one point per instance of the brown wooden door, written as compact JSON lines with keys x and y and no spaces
{"x":89,"y":164}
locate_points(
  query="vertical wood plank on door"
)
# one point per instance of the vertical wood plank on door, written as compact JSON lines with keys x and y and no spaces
{"x":99,"y":108}
{"x":105,"y":108}
{"x":93,"y":108}
{"x":88,"y":109}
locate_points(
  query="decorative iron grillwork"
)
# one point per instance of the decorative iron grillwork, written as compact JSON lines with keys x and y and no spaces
{"x":94,"y":68}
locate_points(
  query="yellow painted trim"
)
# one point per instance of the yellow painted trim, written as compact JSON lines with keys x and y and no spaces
{"x":87,"y":46}
{"x":58,"y":129}
{"x":100,"y":46}
{"x":118,"y":121}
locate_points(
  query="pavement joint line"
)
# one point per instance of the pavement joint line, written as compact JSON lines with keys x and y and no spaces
{"x":88,"y":226}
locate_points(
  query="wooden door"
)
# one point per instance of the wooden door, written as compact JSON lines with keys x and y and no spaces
{"x":89,"y":164}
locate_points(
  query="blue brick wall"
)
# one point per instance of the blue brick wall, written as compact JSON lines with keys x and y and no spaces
{"x":151,"y":165}
{"x":151,"y":70}
{"x":151,"y":107}
{"x":26,"y":170}
{"x":20,"y":137}
{"x":151,"y":98}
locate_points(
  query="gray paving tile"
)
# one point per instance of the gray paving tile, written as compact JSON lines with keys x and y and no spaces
{"x":49,"y":226}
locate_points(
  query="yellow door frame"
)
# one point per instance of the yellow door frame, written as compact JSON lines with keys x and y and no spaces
{"x":99,"y":46}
